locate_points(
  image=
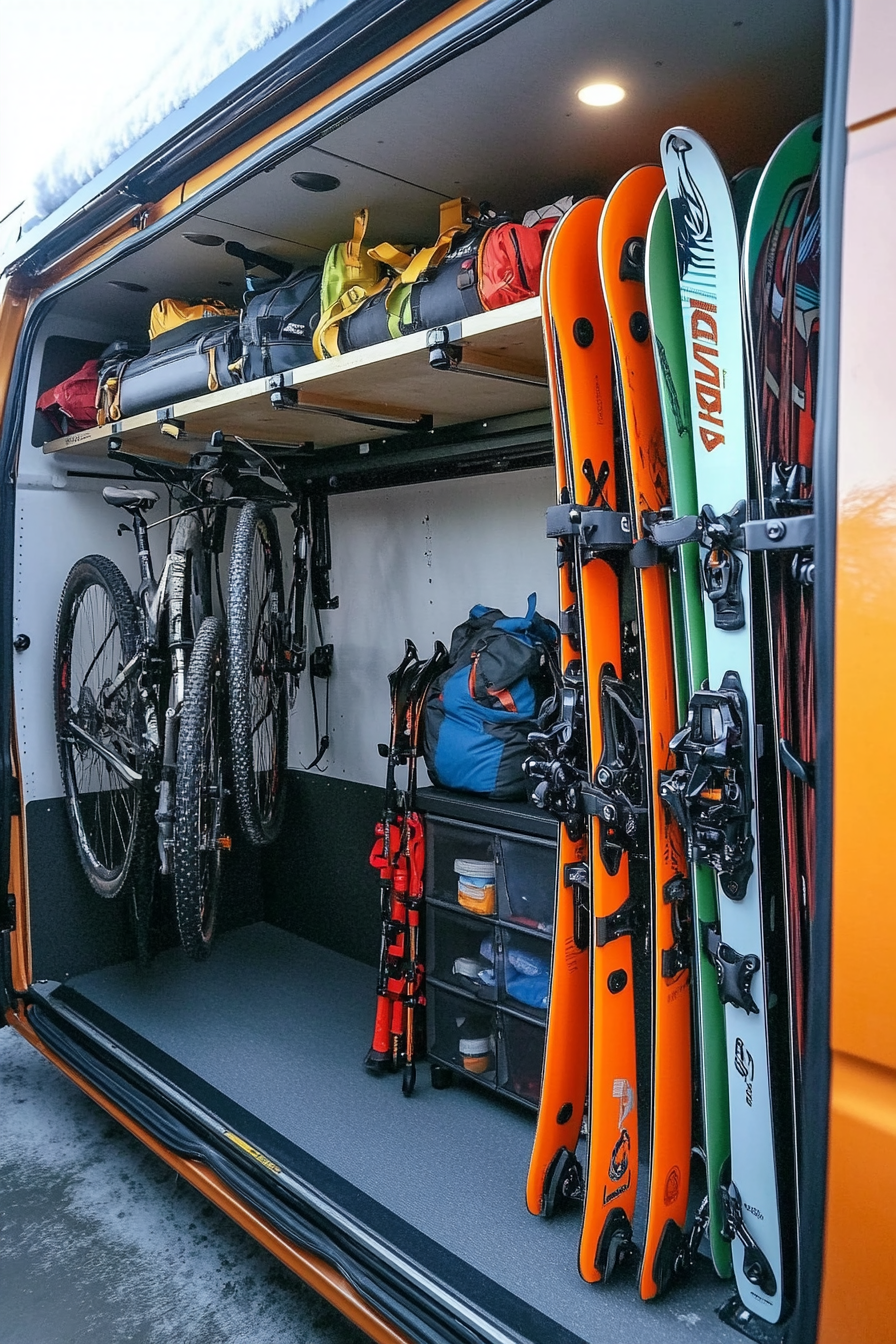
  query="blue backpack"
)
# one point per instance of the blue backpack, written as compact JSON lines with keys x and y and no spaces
{"x":479,"y":713}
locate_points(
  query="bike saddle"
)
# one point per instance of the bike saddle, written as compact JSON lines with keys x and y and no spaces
{"x":124,"y":498}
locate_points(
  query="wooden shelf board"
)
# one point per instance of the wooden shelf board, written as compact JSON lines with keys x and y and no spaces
{"x":395,"y":376}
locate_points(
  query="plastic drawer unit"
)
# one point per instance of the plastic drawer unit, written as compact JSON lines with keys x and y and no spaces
{"x":489,"y":885}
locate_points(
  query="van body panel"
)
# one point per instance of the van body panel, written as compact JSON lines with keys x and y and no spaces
{"x":847,"y":1271}
{"x":857,"y":1299}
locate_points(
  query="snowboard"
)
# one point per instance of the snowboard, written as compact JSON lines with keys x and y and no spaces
{"x":589,"y":531}
{"x":670,"y":356}
{"x":780,"y":280}
{"x":621,"y":251}
{"x":713,"y":791}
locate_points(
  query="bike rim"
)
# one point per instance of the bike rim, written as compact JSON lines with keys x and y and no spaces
{"x":103,"y":804}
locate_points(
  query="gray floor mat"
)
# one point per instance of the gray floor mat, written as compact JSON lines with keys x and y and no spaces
{"x":282,"y":1025}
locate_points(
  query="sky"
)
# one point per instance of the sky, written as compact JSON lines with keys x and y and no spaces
{"x":87,"y":81}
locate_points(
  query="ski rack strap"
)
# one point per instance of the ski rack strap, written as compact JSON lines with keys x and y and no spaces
{"x":722,"y":536}
{"x":597,"y":530}
{"x":709,"y":795}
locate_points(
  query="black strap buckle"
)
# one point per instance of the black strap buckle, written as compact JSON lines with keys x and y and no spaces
{"x":596,"y":529}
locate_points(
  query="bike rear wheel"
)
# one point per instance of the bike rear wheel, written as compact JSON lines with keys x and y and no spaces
{"x":100,"y":723}
{"x":199,"y":838}
{"x":256,"y":674}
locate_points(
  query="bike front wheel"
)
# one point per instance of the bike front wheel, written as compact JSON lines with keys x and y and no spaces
{"x":100,"y":721}
{"x":256,"y":673}
{"x":199,"y":837}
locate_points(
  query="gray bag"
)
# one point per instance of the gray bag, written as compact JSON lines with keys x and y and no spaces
{"x":174,"y":370}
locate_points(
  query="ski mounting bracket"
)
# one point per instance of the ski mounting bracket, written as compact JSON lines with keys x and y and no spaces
{"x":616,"y":797}
{"x":577,"y":876}
{"x":709,"y":795}
{"x":734,"y":970}
{"x":615,"y":1245}
{"x":677,"y":958}
{"x":721,"y":535}
{"x":597,"y":530}
{"x":757,"y":1269}
{"x":563,"y":1183}
{"x":556,"y":764}
{"x":569,"y":626}
{"x":780,"y":534}
{"x":622,"y":923}
{"x":676,"y":1253}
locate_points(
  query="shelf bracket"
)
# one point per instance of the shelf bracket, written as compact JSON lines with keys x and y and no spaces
{"x":447,"y":355}
{"x":379,"y":416}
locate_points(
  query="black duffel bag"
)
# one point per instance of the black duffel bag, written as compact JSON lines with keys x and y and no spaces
{"x":277,"y":325}
{"x":435,"y":286}
{"x":187,"y":361}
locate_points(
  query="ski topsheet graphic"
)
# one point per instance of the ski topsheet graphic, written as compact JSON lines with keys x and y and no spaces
{"x":781,"y":300}
{"x":664,"y":308}
{"x":713,"y":790}
{"x":621,"y":246}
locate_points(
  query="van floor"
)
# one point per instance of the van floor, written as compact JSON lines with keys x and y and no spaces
{"x":280,"y":1026}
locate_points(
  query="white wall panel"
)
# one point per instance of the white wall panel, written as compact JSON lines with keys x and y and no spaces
{"x":409,"y":562}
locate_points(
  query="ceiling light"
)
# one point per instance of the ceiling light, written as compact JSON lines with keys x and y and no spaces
{"x":601,"y":95}
{"x":315,"y":181}
{"x":204,"y":239}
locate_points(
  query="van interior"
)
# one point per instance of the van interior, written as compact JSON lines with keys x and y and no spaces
{"x":270,"y":1033}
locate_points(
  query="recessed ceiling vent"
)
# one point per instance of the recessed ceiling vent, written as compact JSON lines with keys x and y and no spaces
{"x":315,"y":181}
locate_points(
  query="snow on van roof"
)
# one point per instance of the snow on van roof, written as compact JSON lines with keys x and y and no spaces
{"x":158,"y":67}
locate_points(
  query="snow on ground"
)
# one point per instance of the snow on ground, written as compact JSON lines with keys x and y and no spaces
{"x":102,"y":1242}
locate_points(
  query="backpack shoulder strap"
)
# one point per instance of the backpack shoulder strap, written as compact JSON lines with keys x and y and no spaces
{"x":325,"y":340}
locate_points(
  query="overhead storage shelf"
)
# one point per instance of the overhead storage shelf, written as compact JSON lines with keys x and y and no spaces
{"x":485,"y":366}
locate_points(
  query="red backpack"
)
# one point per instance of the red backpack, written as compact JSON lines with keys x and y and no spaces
{"x":510,"y":262}
{"x":71,"y":404}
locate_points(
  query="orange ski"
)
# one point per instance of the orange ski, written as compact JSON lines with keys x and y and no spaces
{"x":581,"y":373}
{"x":623,"y":230}
{"x":554,"y":1171}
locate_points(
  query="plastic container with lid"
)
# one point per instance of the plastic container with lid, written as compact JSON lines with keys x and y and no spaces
{"x":476,"y":885}
{"x":477,"y":1053}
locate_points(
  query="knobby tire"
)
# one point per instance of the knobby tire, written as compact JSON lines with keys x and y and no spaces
{"x":97,"y":633}
{"x":256,"y":677}
{"x":199,"y":795}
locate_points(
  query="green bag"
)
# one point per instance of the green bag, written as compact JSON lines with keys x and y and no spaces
{"x":351,"y":275}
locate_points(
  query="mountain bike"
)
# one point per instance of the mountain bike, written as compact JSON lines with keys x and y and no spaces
{"x":141,"y":723}
{"x":268,"y":642}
